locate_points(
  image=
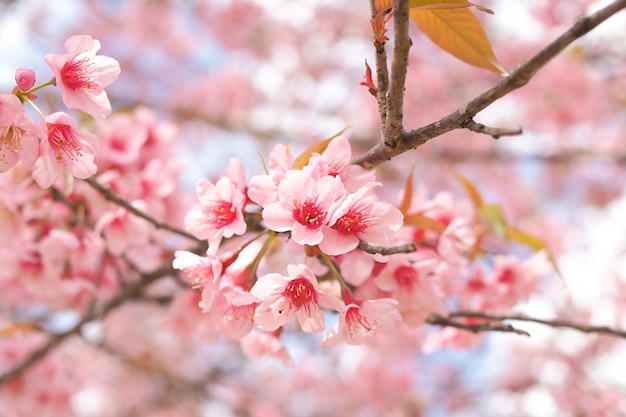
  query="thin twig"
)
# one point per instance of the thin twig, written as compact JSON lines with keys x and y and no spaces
{"x":384,"y":250}
{"x":382,"y":73}
{"x":494,"y":132}
{"x":518,"y":78}
{"x":111,"y":196}
{"x":438,"y":320}
{"x":605,"y":330}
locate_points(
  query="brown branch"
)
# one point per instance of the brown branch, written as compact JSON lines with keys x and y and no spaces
{"x":494,"y":132}
{"x":518,"y":78}
{"x":111,"y":196}
{"x":384,"y":250}
{"x":605,"y":330}
{"x":393,"y":130}
{"x":436,"y":319}
{"x":131,"y":291}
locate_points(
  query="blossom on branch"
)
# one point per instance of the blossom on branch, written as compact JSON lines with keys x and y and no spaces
{"x":296,"y":295}
{"x":18,"y":134}
{"x":62,"y":147}
{"x":82,"y":75}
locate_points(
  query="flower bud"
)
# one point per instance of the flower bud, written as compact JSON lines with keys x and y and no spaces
{"x":25,"y":78}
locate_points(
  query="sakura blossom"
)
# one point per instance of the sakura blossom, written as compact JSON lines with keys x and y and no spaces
{"x":220,"y":212}
{"x":18,"y":134}
{"x":360,"y":217}
{"x":63,"y":147}
{"x":304,"y":206}
{"x":362,"y":319}
{"x":82,"y":75}
{"x":296,"y":295}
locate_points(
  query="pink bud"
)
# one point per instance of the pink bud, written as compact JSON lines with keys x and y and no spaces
{"x":25,"y":78}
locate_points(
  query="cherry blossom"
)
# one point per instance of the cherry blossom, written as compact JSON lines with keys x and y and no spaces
{"x":82,"y":75}
{"x":304,"y":206}
{"x":362,"y":319}
{"x":220,"y":212}
{"x":63,"y":147}
{"x":360,"y":217}
{"x":295,"y":295}
{"x":18,"y":134}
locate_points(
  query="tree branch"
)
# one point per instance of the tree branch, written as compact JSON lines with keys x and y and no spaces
{"x":518,"y":78}
{"x":494,"y":132}
{"x":111,"y":196}
{"x":384,"y":250}
{"x":131,"y":291}
{"x":393,"y":131}
{"x":605,"y":330}
{"x":436,"y":319}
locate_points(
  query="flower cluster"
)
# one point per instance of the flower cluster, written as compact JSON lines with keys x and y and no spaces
{"x":57,"y":144}
{"x":337,"y":236}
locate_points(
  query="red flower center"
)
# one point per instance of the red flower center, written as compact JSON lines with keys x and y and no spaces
{"x":309,"y":214}
{"x":356,"y":220}
{"x":220,"y":214}
{"x":63,"y":140}
{"x":75,"y":74}
{"x":301,"y":294}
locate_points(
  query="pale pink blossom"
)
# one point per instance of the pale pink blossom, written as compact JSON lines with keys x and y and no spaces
{"x":360,"y":217}
{"x":238,"y":315}
{"x":337,"y":162}
{"x":263,"y":189}
{"x":123,"y":230}
{"x":203,"y":272}
{"x":63,"y":147}
{"x":220,"y":212}
{"x":18,"y":134}
{"x":256,"y":345}
{"x":411,"y":283}
{"x":362,"y":319}
{"x":296,"y":295}
{"x":304,"y":206}
{"x":82,"y":75}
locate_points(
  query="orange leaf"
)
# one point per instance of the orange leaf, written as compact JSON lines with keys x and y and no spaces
{"x":318,"y":147}
{"x":458,"y":31}
{"x":383,"y":5}
{"x":13,"y":328}
{"x":420,"y":221}
{"x":472,"y":191}
{"x":408,"y":194}
{"x":533,"y":242}
{"x":445,"y":4}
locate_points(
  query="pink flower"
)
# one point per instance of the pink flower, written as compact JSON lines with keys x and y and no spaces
{"x":360,"y":217}
{"x":62,"y":147}
{"x":304,"y":206}
{"x":263,"y":189}
{"x":123,"y":230}
{"x":296,"y":295}
{"x":220,"y":212}
{"x":411,"y":284}
{"x":337,"y":162}
{"x":18,"y":134}
{"x":258,"y":344}
{"x":361,"y":319}
{"x":82,"y":75}
{"x":201,"y":271}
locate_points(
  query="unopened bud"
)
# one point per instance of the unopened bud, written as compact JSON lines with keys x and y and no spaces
{"x":25,"y":78}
